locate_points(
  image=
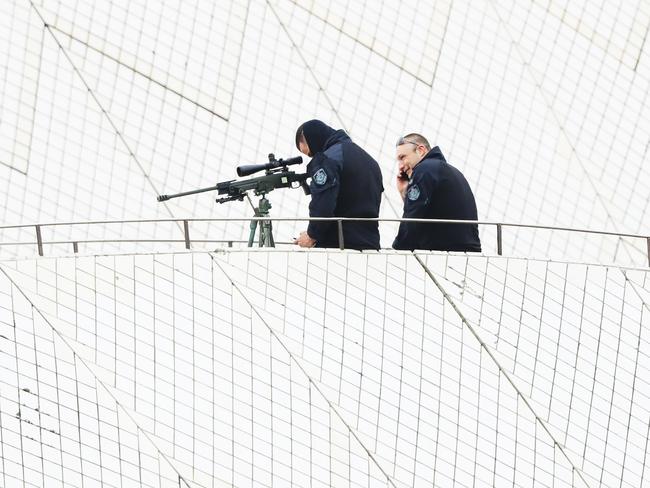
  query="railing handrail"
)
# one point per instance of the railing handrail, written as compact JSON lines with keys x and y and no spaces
{"x":333,"y":219}
{"x":186,"y":236}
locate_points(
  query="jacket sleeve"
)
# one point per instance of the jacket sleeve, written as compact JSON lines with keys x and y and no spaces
{"x":417,"y":202}
{"x":325,"y":184}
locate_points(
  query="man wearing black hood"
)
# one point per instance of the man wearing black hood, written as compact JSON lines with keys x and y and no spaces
{"x":345,"y":182}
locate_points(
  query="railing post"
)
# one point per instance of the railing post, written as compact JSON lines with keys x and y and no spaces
{"x":39,"y":240}
{"x":499,"y":240}
{"x":648,"y":241}
{"x":340,"y":226}
{"x":186,"y":229}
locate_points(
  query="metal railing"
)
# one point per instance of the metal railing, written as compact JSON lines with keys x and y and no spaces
{"x":184,"y":224}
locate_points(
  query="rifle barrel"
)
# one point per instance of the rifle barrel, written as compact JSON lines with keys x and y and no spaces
{"x":162,"y":198}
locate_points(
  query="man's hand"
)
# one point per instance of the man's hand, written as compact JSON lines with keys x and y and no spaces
{"x":304,"y":240}
{"x":402,"y":180}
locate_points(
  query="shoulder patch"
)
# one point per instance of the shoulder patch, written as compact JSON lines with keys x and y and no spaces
{"x":413,"y":193}
{"x":320,"y":177}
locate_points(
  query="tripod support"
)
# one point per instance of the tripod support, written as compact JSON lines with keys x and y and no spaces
{"x":266,"y":226}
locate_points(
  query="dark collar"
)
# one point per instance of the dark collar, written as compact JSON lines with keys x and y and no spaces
{"x":434,"y":153}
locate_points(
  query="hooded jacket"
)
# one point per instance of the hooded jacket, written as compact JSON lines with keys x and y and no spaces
{"x":345,"y":182}
{"x":437,"y":190}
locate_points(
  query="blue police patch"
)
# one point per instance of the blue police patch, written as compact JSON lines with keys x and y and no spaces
{"x":413,"y":193}
{"x":320,"y":177}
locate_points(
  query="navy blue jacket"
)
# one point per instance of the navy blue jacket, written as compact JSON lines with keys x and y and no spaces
{"x":345,"y":182}
{"x":437,"y":190}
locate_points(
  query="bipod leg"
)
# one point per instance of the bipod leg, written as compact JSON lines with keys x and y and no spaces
{"x":253,"y":227}
{"x":266,"y":234}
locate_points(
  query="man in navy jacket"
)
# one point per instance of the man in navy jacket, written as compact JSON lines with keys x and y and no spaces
{"x":433,"y":189}
{"x":345,"y":182}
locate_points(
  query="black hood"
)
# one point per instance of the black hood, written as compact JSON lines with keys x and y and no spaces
{"x":316,"y":134}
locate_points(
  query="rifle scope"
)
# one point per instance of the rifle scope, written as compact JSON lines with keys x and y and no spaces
{"x":249,"y":169}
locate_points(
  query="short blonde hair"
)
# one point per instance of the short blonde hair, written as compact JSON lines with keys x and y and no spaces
{"x":414,"y":138}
